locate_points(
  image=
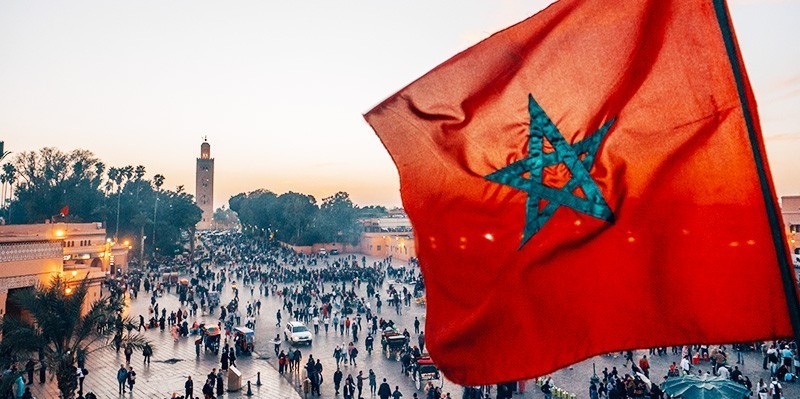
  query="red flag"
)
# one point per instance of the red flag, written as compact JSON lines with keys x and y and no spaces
{"x":589,"y":180}
{"x":65,"y":210}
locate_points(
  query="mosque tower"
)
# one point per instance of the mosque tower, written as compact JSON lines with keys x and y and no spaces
{"x":204,"y":188}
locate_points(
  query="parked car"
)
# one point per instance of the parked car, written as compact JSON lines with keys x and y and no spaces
{"x":334,"y":252}
{"x":296,"y":333}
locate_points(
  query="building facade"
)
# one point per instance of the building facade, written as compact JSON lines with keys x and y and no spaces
{"x":204,"y":186}
{"x":790,"y":209}
{"x":32,"y":254}
{"x":388,"y":236}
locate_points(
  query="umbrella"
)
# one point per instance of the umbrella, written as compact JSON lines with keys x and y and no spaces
{"x":704,"y":387}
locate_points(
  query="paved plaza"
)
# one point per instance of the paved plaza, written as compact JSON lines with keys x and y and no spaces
{"x":172,"y":361}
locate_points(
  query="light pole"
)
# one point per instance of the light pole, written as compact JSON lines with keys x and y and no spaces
{"x":141,"y":253}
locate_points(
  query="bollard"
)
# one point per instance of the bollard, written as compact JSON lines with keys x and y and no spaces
{"x":258,"y":379}
{"x":249,"y":390}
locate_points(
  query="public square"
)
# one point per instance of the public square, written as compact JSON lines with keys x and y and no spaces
{"x":173,"y":361}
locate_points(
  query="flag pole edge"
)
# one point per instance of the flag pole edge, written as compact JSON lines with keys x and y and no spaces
{"x":770,"y":201}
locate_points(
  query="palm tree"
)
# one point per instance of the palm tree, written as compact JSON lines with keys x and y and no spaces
{"x":10,"y":174}
{"x":139,"y":172}
{"x":3,"y":180}
{"x":123,"y":175}
{"x":158,"y":181}
{"x":55,"y":327}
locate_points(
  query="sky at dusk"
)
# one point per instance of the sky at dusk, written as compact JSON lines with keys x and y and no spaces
{"x":279,"y":87}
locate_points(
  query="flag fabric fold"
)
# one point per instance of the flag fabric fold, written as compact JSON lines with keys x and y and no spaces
{"x":510,"y":152}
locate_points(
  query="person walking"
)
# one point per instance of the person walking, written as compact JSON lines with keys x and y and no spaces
{"x":219,"y":383}
{"x":416,"y":325}
{"x":128,"y":353}
{"x":277,"y":343}
{"x":421,"y":341}
{"x":384,"y":391}
{"x":81,"y":376}
{"x":232,"y":357}
{"x":360,"y":382}
{"x":337,"y":379}
{"x":122,"y":377}
{"x":396,"y":394}
{"x":131,"y":379}
{"x":224,"y":360}
{"x":373,"y":386}
{"x":147,"y":351}
{"x":189,"y":387}
{"x":208,"y":389}
{"x":29,"y":368}
{"x":762,"y":389}
{"x":278,"y":317}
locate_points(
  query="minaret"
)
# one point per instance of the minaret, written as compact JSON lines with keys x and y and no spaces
{"x":204,"y":188}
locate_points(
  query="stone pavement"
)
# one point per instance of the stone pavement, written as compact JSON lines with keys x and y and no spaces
{"x":170,"y":364}
{"x":163,"y":377}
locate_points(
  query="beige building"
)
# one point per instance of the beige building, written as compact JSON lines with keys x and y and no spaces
{"x":790,"y":209}
{"x":34,"y":253}
{"x":204,"y":187}
{"x":389,"y":236}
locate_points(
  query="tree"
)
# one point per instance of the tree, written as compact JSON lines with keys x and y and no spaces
{"x":49,"y":179}
{"x":296,"y":219}
{"x":158,"y":181}
{"x":338,"y":219}
{"x":56,"y":326}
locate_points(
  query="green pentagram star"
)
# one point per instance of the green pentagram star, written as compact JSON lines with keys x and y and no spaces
{"x":514,"y":175}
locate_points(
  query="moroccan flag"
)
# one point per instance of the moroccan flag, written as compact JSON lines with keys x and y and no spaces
{"x":65,"y":210}
{"x":589,"y":180}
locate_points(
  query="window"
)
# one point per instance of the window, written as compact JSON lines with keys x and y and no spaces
{"x":379,"y":247}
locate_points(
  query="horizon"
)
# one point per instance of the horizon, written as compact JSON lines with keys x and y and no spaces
{"x":280,"y":89}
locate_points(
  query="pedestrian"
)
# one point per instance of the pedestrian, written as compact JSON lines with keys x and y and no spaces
{"x":232,"y":357}
{"x":79,"y":374}
{"x":197,"y":344}
{"x":278,"y":316}
{"x":131,"y":379}
{"x":337,"y":355}
{"x":373,"y":386}
{"x":763,"y":389}
{"x":122,"y":377}
{"x":147,"y":351}
{"x":337,"y":378}
{"x":208,"y":390}
{"x":644,"y":364}
{"x":42,"y":372}
{"x":384,"y":391}
{"x":277,"y":343}
{"x":353,"y":355}
{"x":421,"y":341}
{"x":547,"y":387}
{"x":29,"y":368}
{"x":219,"y":383}
{"x":416,"y":325}
{"x":128,"y":353}
{"x":224,"y":360}
{"x":189,"y":386}
{"x":396,"y":394}
{"x":281,"y":363}
{"x":360,"y":382}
